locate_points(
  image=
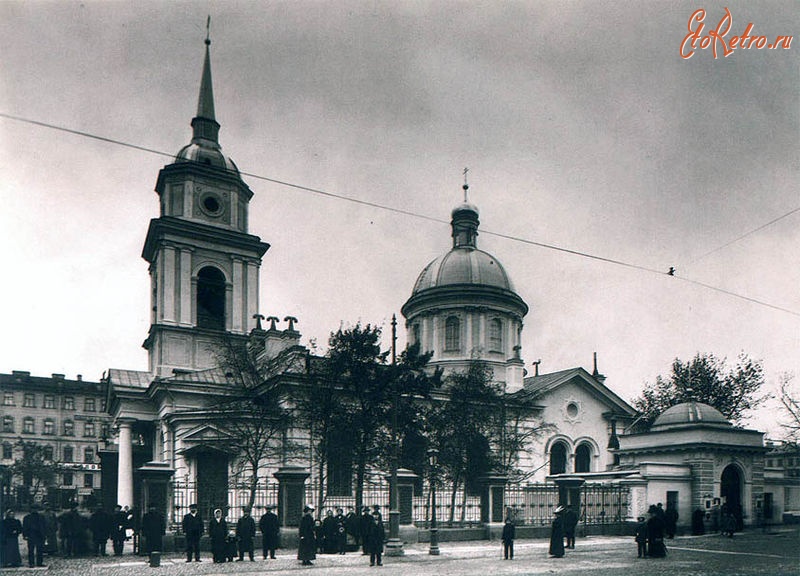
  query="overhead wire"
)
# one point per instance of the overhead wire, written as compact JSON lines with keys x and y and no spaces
{"x":669,"y":272}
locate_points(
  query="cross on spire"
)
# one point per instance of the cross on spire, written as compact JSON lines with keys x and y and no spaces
{"x":208,"y":30}
{"x":465,"y":186}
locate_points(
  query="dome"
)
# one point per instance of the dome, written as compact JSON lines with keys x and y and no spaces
{"x":464,"y":265}
{"x":689,"y":413}
{"x":210,"y":155}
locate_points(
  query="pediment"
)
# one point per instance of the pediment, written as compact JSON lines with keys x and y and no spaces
{"x":205,"y":434}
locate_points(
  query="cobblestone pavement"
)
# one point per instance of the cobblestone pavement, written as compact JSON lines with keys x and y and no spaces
{"x":750,"y":553}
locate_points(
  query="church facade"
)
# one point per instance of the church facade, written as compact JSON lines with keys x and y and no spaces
{"x":204,"y":268}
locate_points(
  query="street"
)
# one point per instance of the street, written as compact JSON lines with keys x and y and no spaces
{"x":750,"y":553}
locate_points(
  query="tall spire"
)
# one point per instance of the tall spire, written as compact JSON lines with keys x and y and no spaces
{"x":205,"y":124}
{"x":465,"y":221}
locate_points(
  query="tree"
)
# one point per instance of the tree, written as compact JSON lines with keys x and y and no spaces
{"x":791,"y":409}
{"x":34,"y":470}
{"x":705,"y":379}
{"x":252,"y":414}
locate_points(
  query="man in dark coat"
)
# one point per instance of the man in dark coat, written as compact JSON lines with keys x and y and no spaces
{"x":509,"y":533}
{"x":71,"y":530}
{"x":557,"y":534}
{"x":366,"y":522}
{"x":34,"y":531}
{"x":119,"y":520}
{"x":306,"y":551}
{"x":192,"y":525}
{"x":100,"y":524}
{"x":153,"y":529}
{"x":375,"y":537}
{"x":245,"y":534}
{"x":351,"y":523}
{"x":51,"y":524}
{"x":570,"y":523}
{"x":270,"y":532}
{"x":671,"y":521}
{"x":9,"y":546}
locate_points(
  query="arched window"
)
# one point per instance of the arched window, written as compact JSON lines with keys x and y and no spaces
{"x":496,"y":335}
{"x":583,"y":458}
{"x":558,"y":458}
{"x":210,"y":299}
{"x":452,"y":334}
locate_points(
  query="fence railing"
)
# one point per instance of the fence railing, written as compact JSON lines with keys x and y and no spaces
{"x":528,"y":504}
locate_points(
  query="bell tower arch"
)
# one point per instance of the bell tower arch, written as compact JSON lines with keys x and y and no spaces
{"x":204,"y":265}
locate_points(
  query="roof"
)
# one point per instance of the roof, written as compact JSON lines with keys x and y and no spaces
{"x":689,"y":414}
{"x":545,"y":383}
{"x":464,"y":265}
{"x":129,"y":378}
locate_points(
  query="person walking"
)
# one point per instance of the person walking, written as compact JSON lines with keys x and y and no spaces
{"x":655,"y":534}
{"x":307,"y":549}
{"x":218,"y":532}
{"x":270,"y":532}
{"x":192,"y":525}
{"x":375,"y":538}
{"x":153,"y":529}
{"x":34,"y":531}
{"x":570,"y":523}
{"x":119,"y":520}
{"x":11,"y":530}
{"x":557,"y":534}
{"x":641,"y":537}
{"x":100,"y":524}
{"x":509,"y":533}
{"x":245,"y":534}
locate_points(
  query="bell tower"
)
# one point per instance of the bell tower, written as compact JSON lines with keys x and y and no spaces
{"x":204,"y":266}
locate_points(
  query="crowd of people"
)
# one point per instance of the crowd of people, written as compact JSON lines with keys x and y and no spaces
{"x":73,"y":534}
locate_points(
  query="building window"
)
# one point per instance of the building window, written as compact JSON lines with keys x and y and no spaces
{"x":48,"y":453}
{"x":211,"y":299}
{"x":583,"y":458}
{"x":88,"y":480}
{"x":69,"y":428}
{"x":88,"y":430}
{"x":67,"y":478}
{"x":28,"y":425}
{"x":452,"y":334}
{"x":104,"y":431}
{"x":8,"y":423}
{"x":340,"y":465}
{"x":69,"y":403}
{"x":558,"y":458}
{"x":29,"y":401}
{"x":68,"y":454}
{"x":88,"y":455}
{"x":88,"y":405}
{"x":49,"y":427}
{"x":8,"y":451}
{"x":496,"y":335}
{"x":415,"y":334}
{"x":49,"y":401}
{"x":102,"y":404}
{"x":8,"y":399}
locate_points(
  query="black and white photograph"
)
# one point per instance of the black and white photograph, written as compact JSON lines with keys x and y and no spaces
{"x":425,"y":287}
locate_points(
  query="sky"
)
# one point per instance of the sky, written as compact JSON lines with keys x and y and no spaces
{"x":583,"y":128}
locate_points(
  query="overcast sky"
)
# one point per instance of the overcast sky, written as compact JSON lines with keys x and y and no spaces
{"x":580,"y":123}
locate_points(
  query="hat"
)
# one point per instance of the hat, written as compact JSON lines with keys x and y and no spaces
{"x":271,"y":506}
{"x":558,"y":510}
{"x":192,"y":506}
{"x":308,"y":509}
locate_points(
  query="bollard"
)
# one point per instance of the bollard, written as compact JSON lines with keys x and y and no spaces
{"x":155,"y":559}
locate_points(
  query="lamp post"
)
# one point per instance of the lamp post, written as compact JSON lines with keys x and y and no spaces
{"x":394,"y":546}
{"x":433,"y":456}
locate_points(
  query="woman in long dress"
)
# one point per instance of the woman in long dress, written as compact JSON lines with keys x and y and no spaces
{"x":557,"y":534}
{"x":12,"y":528}
{"x":655,"y":534}
{"x":307,"y":550}
{"x":218,"y":530}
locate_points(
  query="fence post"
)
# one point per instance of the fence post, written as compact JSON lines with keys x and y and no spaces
{"x":493,"y":498}
{"x":291,"y":492}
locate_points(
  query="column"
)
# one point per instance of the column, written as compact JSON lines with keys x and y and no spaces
{"x":252,"y":295}
{"x":168,"y":282}
{"x":237,"y":303}
{"x":125,"y":465}
{"x":493,"y":498}
{"x":186,"y":287}
{"x":291,"y":493}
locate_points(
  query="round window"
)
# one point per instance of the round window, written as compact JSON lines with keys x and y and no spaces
{"x":572,"y":409}
{"x":211,"y":204}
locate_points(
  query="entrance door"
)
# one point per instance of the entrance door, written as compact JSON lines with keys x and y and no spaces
{"x":212,"y":482}
{"x":731,"y":492}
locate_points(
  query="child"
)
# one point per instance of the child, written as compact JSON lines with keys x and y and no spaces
{"x":641,"y":536}
{"x":509,"y":531}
